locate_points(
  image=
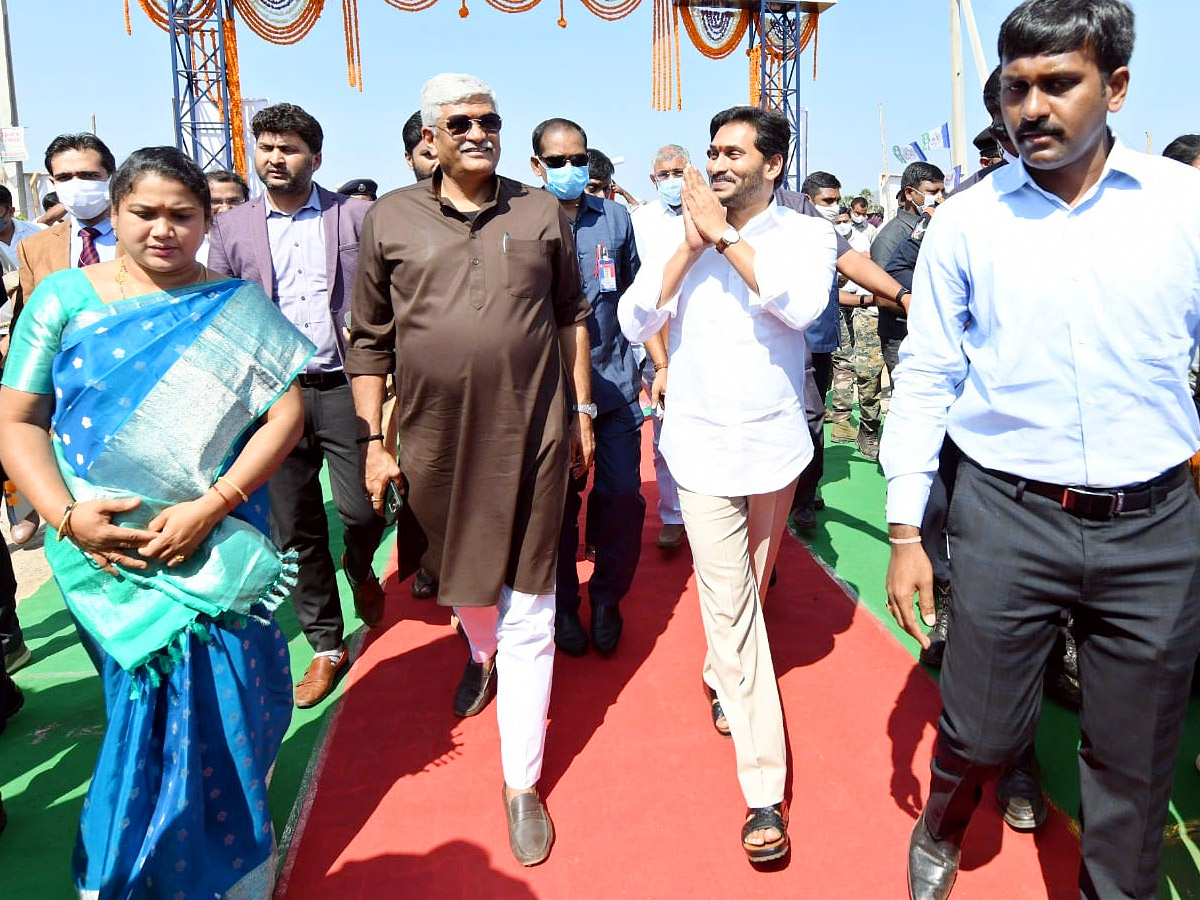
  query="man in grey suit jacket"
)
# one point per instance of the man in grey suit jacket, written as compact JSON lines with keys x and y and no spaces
{"x":300,"y":242}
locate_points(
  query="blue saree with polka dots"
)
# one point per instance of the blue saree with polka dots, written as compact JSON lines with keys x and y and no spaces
{"x":154,"y":397}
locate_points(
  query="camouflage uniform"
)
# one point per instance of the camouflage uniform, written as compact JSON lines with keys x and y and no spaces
{"x":857,"y":362}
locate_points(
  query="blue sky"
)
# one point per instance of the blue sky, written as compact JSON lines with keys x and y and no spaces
{"x":72,"y":59}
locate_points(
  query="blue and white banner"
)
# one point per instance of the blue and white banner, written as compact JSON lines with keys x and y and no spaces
{"x":938,"y":139}
{"x":909,"y":153}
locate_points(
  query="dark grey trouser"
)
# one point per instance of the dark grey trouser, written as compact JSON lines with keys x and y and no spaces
{"x":1132,"y":583}
{"x":298,"y":511}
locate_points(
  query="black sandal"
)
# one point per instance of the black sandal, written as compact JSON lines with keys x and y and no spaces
{"x":717,"y":712}
{"x":760,"y":820}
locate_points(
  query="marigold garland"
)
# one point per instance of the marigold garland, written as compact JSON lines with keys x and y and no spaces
{"x":613,"y":12}
{"x":280,"y":21}
{"x":714,"y":32}
{"x":513,"y":6}
{"x":237,"y":122}
{"x":666,"y":87}
{"x":715,"y":46}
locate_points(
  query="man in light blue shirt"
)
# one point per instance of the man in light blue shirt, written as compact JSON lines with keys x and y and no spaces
{"x":1049,"y":337}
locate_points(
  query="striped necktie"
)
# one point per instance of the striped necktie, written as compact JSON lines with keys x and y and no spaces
{"x":88,"y":255}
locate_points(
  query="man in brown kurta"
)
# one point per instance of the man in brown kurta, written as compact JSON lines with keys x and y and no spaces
{"x":468,"y":290}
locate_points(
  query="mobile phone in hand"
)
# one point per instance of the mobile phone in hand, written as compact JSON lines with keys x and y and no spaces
{"x":393,"y":502}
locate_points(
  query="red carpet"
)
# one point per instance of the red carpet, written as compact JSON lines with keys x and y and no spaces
{"x":406,"y":800}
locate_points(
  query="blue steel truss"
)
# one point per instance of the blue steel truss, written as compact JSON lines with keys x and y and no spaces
{"x":779,"y":23}
{"x":201,"y":82}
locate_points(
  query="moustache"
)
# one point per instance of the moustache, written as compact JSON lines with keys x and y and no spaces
{"x":721,"y":179}
{"x":482,"y":145}
{"x":1024,"y":131}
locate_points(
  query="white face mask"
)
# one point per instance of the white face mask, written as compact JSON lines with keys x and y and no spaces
{"x":83,"y":199}
{"x":829,"y":212}
{"x":857,"y":219}
{"x":843,"y":228}
{"x":928,"y":200}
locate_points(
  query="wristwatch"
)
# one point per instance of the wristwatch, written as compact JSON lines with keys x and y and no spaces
{"x":729,"y":236}
{"x":591,"y":410}
{"x":900,"y":293}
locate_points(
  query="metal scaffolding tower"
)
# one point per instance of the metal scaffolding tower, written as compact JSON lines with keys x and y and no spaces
{"x":197,"y":31}
{"x":778,"y":27}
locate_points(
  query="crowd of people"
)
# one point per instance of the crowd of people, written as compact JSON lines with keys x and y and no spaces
{"x":465,"y":354}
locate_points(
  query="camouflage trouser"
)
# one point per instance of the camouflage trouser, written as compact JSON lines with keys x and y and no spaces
{"x":858,"y":362}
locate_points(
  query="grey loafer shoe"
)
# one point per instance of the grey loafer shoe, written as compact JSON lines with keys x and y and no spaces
{"x":530,"y":831}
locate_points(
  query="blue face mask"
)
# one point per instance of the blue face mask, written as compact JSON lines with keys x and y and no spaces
{"x":671,"y":191}
{"x":566,"y":182}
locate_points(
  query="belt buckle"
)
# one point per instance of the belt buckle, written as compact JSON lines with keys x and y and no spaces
{"x":1093,"y":504}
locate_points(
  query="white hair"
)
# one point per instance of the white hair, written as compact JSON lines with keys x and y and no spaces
{"x":450,"y":88}
{"x":670,"y":151}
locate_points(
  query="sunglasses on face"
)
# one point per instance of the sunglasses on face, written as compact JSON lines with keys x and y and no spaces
{"x":579,"y":160}
{"x":458,"y":126}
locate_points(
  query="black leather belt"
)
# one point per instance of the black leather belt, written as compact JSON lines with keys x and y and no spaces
{"x":1101,"y":503}
{"x":321,"y":380}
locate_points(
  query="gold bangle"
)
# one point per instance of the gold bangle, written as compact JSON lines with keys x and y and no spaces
{"x":64,"y":524}
{"x":245,"y":497}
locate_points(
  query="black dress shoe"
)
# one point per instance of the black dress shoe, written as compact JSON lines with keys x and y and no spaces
{"x":932,"y":864}
{"x":423,"y":585}
{"x":368,"y":597}
{"x":475,"y":689}
{"x":1020,"y":799}
{"x":932,"y":655}
{"x":569,"y":635}
{"x":606,"y":627}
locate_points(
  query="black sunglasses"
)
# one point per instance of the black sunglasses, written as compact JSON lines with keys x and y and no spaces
{"x":579,"y":160}
{"x":458,"y":126}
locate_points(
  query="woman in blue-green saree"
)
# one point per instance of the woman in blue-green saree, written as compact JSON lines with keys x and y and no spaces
{"x":144,"y":405}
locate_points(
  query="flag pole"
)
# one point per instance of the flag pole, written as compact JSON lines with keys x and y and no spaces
{"x":958,"y":118}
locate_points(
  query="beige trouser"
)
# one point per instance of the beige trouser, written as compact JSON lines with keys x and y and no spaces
{"x":734,"y":543}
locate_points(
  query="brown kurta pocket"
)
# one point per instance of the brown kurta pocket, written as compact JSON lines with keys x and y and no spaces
{"x":527,"y":268}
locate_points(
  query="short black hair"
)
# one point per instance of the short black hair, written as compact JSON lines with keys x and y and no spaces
{"x":412,"y":132}
{"x":860,"y":201}
{"x":1184,"y":149}
{"x":600,"y":167}
{"x":225,"y":176}
{"x":49,"y":201}
{"x":5,"y":196}
{"x":819,"y":181}
{"x":772,"y":135}
{"x":285,"y":118}
{"x":555,"y":125}
{"x":83,"y":141}
{"x":1102,"y":27}
{"x":915,"y":173}
{"x":166,"y":162}
{"x":991,"y":93}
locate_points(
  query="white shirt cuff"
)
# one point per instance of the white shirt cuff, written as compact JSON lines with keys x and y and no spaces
{"x":907,"y":496}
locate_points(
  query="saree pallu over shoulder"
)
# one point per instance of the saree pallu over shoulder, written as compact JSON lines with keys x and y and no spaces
{"x":152,"y":396}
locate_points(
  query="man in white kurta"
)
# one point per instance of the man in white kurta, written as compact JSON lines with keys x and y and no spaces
{"x":739,"y":291}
